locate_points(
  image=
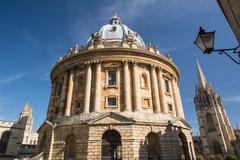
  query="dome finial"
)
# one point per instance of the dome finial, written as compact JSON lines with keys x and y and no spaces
{"x":115,"y":19}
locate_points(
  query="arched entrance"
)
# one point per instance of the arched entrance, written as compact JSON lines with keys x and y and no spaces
{"x":42,"y":143}
{"x":4,"y":141}
{"x":184,"y":147}
{"x":153,"y":146}
{"x":111,"y":145}
{"x":70,"y":147}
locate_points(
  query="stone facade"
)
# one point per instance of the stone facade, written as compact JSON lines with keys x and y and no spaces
{"x":13,"y":135}
{"x":216,"y":132}
{"x":115,"y":98}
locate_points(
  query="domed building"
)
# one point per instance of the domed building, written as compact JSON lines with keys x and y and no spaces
{"x":114,"y":99}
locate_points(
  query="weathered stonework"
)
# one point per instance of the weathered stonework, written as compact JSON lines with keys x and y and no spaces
{"x":216,"y":133}
{"x":115,"y":99}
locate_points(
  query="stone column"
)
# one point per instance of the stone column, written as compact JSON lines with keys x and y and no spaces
{"x":162,"y":92}
{"x":88,"y":89}
{"x":69,"y":93}
{"x":97,"y":101}
{"x":127,"y":89}
{"x":155,"y":93}
{"x":63,"y":94}
{"x":175,"y":97}
{"x":181,"y":113}
{"x":136,"y":87}
{"x":52,"y":100}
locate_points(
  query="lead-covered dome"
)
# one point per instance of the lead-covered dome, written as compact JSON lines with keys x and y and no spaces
{"x":115,"y":32}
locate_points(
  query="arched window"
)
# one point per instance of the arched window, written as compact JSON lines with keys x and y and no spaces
{"x":184,"y":147}
{"x":70,"y":147}
{"x":210,"y":123}
{"x":216,"y":147}
{"x":31,"y":142}
{"x":111,"y":145}
{"x":144,"y":81}
{"x":4,"y":141}
{"x":42,"y":143}
{"x":153,"y":146}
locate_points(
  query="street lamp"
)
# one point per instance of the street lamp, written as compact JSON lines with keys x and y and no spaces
{"x":205,"y":42}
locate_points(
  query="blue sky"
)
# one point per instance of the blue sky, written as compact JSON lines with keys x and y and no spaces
{"x":34,"y":34}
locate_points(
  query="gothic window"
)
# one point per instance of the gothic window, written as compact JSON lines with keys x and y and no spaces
{"x":153,"y":146}
{"x":216,"y":147}
{"x":167,"y":87}
{"x":144,"y":81}
{"x":210,"y":123}
{"x":146,"y":103}
{"x":111,"y":145}
{"x":4,"y":141}
{"x":112,"y":78}
{"x":111,"y":101}
{"x":70,"y":147}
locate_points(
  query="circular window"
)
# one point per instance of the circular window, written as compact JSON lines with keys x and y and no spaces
{"x":114,"y":28}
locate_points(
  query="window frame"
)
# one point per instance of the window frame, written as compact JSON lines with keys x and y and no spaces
{"x":149,"y":103}
{"x":106,"y":100}
{"x":170,"y":105}
{"x":144,"y":76}
{"x":116,"y":70}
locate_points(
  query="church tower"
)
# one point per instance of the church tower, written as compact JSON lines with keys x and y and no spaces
{"x":215,"y":130}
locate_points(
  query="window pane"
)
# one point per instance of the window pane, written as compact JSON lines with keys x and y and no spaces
{"x":167,"y":86}
{"x":112,"y":101}
{"x":111,"y":77}
{"x":146,"y":103}
{"x":170,"y":108}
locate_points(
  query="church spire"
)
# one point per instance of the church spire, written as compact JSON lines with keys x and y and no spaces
{"x":201,"y":78}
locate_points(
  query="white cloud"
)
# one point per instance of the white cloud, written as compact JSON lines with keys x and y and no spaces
{"x":12,"y":78}
{"x":160,"y":9}
{"x":234,"y":99}
{"x":136,"y":12}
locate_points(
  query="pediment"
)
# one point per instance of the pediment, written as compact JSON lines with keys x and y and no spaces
{"x":111,"y":118}
{"x":45,"y":126}
{"x":181,"y":122}
{"x":111,"y":65}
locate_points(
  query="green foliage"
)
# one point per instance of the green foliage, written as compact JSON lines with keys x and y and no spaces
{"x":230,"y":157}
{"x":200,"y":157}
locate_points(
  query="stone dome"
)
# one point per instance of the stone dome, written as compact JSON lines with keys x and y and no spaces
{"x":115,"y":32}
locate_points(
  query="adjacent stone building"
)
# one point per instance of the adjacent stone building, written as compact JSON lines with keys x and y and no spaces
{"x":216,"y":132}
{"x":115,"y":98}
{"x":17,"y":138}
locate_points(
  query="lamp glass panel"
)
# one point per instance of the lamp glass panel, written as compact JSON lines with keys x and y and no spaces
{"x":199,"y":43}
{"x":207,"y":39}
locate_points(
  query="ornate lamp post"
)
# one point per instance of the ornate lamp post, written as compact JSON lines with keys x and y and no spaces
{"x":205,"y":42}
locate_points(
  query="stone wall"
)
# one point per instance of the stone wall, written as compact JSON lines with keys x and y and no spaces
{"x":133,"y":140}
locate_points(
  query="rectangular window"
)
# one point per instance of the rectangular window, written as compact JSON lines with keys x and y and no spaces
{"x":59,"y":89}
{"x":112,"y":102}
{"x":81,"y":81}
{"x":112,"y":78}
{"x":167,"y":89}
{"x":170,"y":108}
{"x":146,"y":103}
{"x":79,"y":105}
